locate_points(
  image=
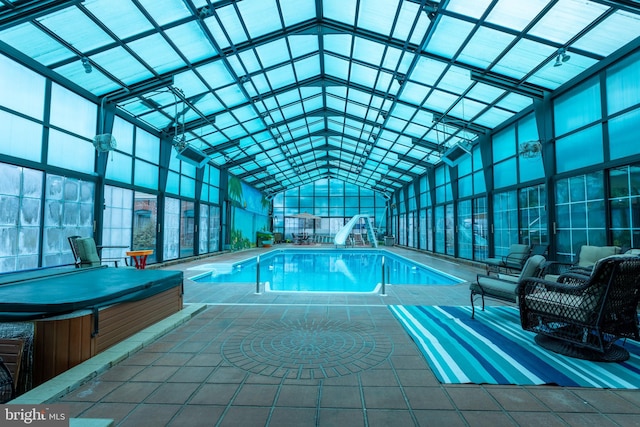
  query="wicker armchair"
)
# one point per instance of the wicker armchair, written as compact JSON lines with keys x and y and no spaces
{"x":584,"y":315}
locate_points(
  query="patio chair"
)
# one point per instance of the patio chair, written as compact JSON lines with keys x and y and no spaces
{"x":513,"y":261}
{"x":584,"y":316}
{"x":504,"y":288}
{"x":85,"y":253}
{"x":587,"y":258}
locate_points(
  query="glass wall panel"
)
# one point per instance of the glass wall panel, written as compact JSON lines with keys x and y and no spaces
{"x":172,"y":217}
{"x":529,"y":168}
{"x":440,"y":229}
{"x":21,"y":89}
{"x":505,"y":221}
{"x":119,"y":167}
{"x":623,"y":85}
{"x":20,"y":137}
{"x":505,"y":173}
{"x":203,"y":229}
{"x":533,"y":215}
{"x":187,"y":228}
{"x":117,"y":226}
{"x":504,"y":144}
{"x":450,"y":230}
{"x":430,"y":238}
{"x":145,"y":221}
{"x":577,"y":108}
{"x":480,"y":229}
{"x":423,"y":229}
{"x":68,"y":212}
{"x":214,"y":228}
{"x":624,"y":205}
{"x":465,"y":230}
{"x":623,"y":135}
{"x":20,"y":220}
{"x":580,"y":214}
{"x":147,"y":146}
{"x":73,"y":113}
{"x":580,"y":149}
{"x":70,"y":152}
{"x":146,"y":175}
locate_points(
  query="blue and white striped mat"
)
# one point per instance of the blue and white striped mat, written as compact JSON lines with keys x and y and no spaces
{"x":493,"y":349}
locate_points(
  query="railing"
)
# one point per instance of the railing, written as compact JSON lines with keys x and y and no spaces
{"x":258,"y":275}
{"x":383,"y":290}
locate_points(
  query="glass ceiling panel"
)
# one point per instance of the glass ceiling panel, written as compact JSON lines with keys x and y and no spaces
{"x":307,"y":68}
{"x":96,"y":82}
{"x":485,"y":92}
{"x":281,"y":76}
{"x":523,"y":58}
{"x":493,"y":117}
{"x":273,"y":53}
{"x":484,"y":47}
{"x":566,"y":19}
{"x":123,"y":18}
{"x":515,"y":15}
{"x":124,"y":66}
{"x":336,"y":67}
{"x":232,"y":25}
{"x":260,"y":16}
{"x":449,"y":36}
{"x":456,"y":80}
{"x":191,"y":41}
{"x":377,"y":15}
{"x":408,"y":13}
{"x":472,"y":8}
{"x":231,"y":96}
{"x":302,"y":45}
{"x":165,"y":11}
{"x":35,"y":43}
{"x":189,"y":83}
{"x":414,"y":93}
{"x":338,"y":43}
{"x":614,"y":32}
{"x":552,"y":77}
{"x":216,"y":74}
{"x":84,"y":34}
{"x":340,"y":10}
{"x":368,"y":51}
{"x":295,"y":11}
{"x":515,"y":102}
{"x":157,"y":53}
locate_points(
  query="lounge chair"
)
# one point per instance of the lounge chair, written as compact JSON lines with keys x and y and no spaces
{"x":85,"y":253}
{"x":513,"y":261}
{"x":583,"y":316}
{"x":504,"y":288}
{"x":587,"y":258}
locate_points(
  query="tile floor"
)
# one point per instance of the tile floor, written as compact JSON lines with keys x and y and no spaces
{"x":318,"y":360}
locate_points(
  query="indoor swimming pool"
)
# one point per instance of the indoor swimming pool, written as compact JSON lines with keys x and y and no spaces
{"x":326,"y":270}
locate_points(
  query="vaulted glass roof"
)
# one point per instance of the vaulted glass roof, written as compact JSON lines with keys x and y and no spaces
{"x":285,"y":92}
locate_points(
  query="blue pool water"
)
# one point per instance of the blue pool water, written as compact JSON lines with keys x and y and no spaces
{"x":339,"y":270}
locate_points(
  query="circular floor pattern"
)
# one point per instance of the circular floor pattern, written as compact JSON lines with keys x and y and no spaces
{"x":302,"y":348}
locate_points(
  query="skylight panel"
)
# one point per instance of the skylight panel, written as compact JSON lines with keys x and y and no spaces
{"x":427,"y":71}
{"x":281,"y":76}
{"x":471,"y":8}
{"x":157,"y":53}
{"x":244,"y":113}
{"x":231,"y":96}
{"x":455,"y":80}
{"x":273,"y":53}
{"x":303,"y":44}
{"x":250,"y":61}
{"x":307,"y":68}
{"x":409,"y":11}
{"x":253,"y":126}
{"x":35,"y":43}
{"x":466,"y":109}
{"x":216,"y":74}
{"x":260,"y":16}
{"x":292,"y":110}
{"x":414,"y":93}
{"x":336,"y":67}
{"x":440,"y":101}
{"x":485,"y":93}
{"x":484,"y":47}
{"x":416,"y":130}
{"x":165,"y":11}
{"x":448,"y":36}
{"x":493,"y":117}
{"x":124,"y":66}
{"x":515,"y":14}
{"x":566,"y":19}
{"x":363,"y":75}
{"x":368,"y":51}
{"x":614,"y":32}
{"x":260,"y":82}
{"x":189,"y":83}
{"x":522,"y":58}
{"x":233,"y":28}
{"x":84,"y":34}
{"x":295,"y":11}
{"x":96,"y":82}
{"x":338,"y":43}
{"x":313,"y":103}
{"x":191,"y":41}
{"x":122,"y":17}
{"x":552,"y":77}
{"x":288,"y":97}
{"x":515,"y":102}
{"x":377,"y":15}
{"x":356,"y":110}
{"x":384,"y":83}
{"x":340,"y":10}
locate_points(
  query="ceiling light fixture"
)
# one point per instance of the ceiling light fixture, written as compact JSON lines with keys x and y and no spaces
{"x":562,"y":57}
{"x":86,"y":64}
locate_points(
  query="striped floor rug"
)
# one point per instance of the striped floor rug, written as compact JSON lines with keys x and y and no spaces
{"x":493,"y":349}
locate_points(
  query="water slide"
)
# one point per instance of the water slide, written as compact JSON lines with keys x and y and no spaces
{"x":340,"y":239}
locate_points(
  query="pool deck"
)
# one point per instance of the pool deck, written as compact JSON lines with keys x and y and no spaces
{"x":227,"y":362}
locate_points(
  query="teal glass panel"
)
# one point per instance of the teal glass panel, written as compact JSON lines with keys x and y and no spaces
{"x":623,"y":85}
{"x":119,"y":167}
{"x":465,"y":186}
{"x":479,"y":185}
{"x":69,"y":152}
{"x":173,"y":183}
{"x":505,"y":173}
{"x":623,"y":135}
{"x":187,"y":186}
{"x":21,"y":137}
{"x":577,"y":108}
{"x":147,"y":146}
{"x":72,"y":112}
{"x":145,"y":175}
{"x":504,"y":144}
{"x":123,"y":133}
{"x":580,"y":149}
{"x":21,"y":89}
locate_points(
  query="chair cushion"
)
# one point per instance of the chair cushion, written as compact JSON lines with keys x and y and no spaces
{"x":494,"y":287}
{"x":88,"y":252}
{"x":565,"y":306}
{"x":531,"y":266}
{"x":589,"y":255}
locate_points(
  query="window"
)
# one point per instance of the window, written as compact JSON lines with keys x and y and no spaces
{"x":624,"y":205}
{"x":505,"y":221}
